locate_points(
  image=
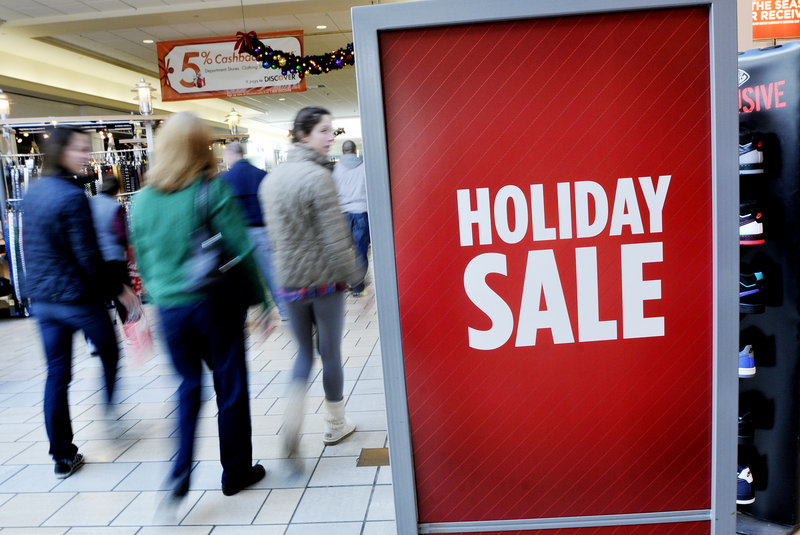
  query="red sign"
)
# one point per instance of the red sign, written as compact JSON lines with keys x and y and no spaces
{"x":775,"y":19}
{"x":683,"y":528}
{"x":211,"y":68}
{"x":551,"y":191}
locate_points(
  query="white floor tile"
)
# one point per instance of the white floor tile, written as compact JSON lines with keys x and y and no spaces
{"x":380,"y":528}
{"x":214,"y":508}
{"x":176,"y":530}
{"x":155,"y":509}
{"x":381,"y":506}
{"x":341,"y":471}
{"x":250,"y":530}
{"x":102,"y":531}
{"x":32,"y":478}
{"x":340,"y":528}
{"x":366,"y":402}
{"x":91,"y":509}
{"x":27,"y":510}
{"x":146,"y":476}
{"x":279,"y":507}
{"x":95,"y":477}
{"x":333,"y":504}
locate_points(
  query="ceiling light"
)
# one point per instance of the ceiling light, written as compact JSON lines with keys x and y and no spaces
{"x":321,"y":27}
{"x":282,"y":98}
{"x":148,"y":41}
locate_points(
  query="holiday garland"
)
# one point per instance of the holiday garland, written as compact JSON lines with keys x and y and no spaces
{"x":290,"y":63}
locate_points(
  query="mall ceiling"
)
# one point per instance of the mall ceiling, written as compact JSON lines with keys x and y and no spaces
{"x":115,"y":31}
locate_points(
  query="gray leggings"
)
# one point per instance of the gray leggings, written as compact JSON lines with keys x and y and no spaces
{"x":327,"y":313}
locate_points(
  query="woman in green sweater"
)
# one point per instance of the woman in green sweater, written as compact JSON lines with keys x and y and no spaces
{"x":198,"y":326}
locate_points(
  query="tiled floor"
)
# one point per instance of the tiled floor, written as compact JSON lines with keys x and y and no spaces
{"x":120,"y":489}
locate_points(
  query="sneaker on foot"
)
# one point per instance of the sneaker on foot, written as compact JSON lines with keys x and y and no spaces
{"x":67,"y":467}
{"x":747,"y":362}
{"x":253,"y":476}
{"x":744,"y":486}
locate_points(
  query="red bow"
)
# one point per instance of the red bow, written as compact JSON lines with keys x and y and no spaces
{"x":244,"y":41}
{"x":164,"y":72}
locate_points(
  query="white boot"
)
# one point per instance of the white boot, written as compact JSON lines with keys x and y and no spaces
{"x":337,"y":426}
{"x":293,"y":419}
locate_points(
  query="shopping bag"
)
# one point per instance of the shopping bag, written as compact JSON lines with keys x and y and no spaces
{"x":138,"y":339}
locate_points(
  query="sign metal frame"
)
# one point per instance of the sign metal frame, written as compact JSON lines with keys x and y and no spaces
{"x":368,"y":23}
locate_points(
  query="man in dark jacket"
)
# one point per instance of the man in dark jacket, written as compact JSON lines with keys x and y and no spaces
{"x":67,"y":281}
{"x":244,"y":178}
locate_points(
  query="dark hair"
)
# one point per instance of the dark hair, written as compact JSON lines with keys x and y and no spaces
{"x":110,"y":184}
{"x":306,"y":120}
{"x":58,"y":139}
{"x":235,"y":148}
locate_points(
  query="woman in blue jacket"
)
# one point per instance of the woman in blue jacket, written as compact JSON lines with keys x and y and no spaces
{"x":68,"y":283}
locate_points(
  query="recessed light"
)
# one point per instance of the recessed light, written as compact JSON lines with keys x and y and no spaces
{"x":321,"y":27}
{"x":148,"y":41}
{"x":281,"y":98}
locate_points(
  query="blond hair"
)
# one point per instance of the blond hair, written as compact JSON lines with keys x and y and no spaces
{"x":181,"y":153}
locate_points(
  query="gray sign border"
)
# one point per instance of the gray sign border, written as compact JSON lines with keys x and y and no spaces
{"x":368,"y":22}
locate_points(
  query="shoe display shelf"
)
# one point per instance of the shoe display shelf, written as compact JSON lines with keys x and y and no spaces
{"x":769,"y":188}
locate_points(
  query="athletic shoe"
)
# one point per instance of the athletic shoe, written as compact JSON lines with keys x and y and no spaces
{"x":751,"y":231}
{"x":751,"y":156}
{"x":746,"y":431}
{"x":747,"y":362}
{"x":66,"y":467}
{"x":744,"y":486}
{"x":750,"y":293}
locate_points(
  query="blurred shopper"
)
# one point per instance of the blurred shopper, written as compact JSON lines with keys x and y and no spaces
{"x":351,"y":185}
{"x":314,"y":259}
{"x":244,"y":179}
{"x":68,"y":283}
{"x":198,"y":326}
{"x":110,"y":225}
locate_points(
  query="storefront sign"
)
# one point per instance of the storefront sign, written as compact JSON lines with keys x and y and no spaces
{"x":551,"y":194}
{"x":775,"y":19}
{"x":211,"y":68}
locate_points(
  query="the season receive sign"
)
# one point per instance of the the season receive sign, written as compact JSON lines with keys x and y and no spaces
{"x":212,"y":68}
{"x":775,"y":19}
{"x":551,"y":233}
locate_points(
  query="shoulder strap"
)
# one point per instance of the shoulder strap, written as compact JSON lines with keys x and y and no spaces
{"x":201,"y":204}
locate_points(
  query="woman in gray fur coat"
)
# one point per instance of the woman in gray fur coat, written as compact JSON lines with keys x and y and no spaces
{"x":314,"y":260}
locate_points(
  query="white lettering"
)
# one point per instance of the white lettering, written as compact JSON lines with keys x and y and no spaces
{"x":488,"y":301}
{"x":481,"y":215}
{"x":501,"y":219}
{"x":590,"y":328}
{"x":636,"y":290}
{"x":583,"y":190}
{"x":626,"y":209}
{"x":542,"y":280}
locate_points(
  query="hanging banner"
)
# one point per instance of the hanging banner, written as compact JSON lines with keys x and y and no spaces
{"x":211,"y":68}
{"x":776,"y":19}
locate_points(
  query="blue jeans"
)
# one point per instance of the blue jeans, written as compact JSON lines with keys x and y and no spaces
{"x":263,"y":255}
{"x":359,"y":227}
{"x":211,"y":332}
{"x":57,"y":323}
